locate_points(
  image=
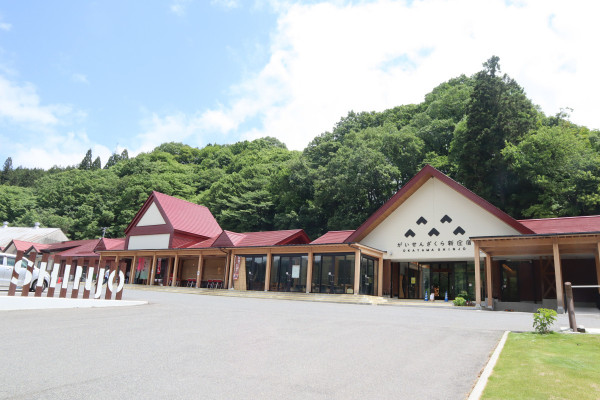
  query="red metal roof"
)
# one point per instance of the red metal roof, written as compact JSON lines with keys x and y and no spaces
{"x":183,"y":216}
{"x":266,"y":238}
{"x":24,"y":246}
{"x":333,"y":237}
{"x":414,"y":184}
{"x":62,"y":246}
{"x":203,"y":244}
{"x":589,"y":223}
{"x":85,"y":248}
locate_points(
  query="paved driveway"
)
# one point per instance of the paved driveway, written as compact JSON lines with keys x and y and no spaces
{"x":188,"y":346}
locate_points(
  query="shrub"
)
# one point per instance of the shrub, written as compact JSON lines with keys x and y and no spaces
{"x":465,"y":295}
{"x":459,"y":301}
{"x":543,"y":319}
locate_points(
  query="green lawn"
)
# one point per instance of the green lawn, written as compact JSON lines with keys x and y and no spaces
{"x":554,"y":366}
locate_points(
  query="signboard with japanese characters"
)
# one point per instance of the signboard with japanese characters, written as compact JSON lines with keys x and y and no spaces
{"x":434,"y":223}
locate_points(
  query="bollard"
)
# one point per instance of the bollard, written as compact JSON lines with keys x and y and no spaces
{"x":570,"y":306}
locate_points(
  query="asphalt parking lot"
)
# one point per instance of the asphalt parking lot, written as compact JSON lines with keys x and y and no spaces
{"x":188,"y":346}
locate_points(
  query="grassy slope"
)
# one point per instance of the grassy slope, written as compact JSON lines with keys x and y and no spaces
{"x":555,"y":366}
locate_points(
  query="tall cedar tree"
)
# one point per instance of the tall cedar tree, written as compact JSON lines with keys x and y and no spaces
{"x":498,"y":113}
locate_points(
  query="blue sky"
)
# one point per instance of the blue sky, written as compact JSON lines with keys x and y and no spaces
{"x":109,"y":75}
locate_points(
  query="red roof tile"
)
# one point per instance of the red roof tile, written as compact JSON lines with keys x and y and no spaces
{"x":333,"y":237}
{"x":266,"y":238}
{"x":589,"y":223}
{"x":85,"y":248}
{"x":203,"y":244}
{"x":414,"y":184}
{"x":188,"y":217}
{"x":183,"y":216}
{"x":21,"y":245}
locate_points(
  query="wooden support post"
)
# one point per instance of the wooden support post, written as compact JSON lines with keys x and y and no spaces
{"x":31,"y":256}
{"x":380,"y":275}
{"x":175,"y":270}
{"x":15,"y":274}
{"x":230,"y":271}
{"x":309,"y":271}
{"x":488,"y":281}
{"x":570,"y":306}
{"x":477,"y":276}
{"x":132,"y":270}
{"x":268,"y":271}
{"x":356,"y":271}
{"x":169,"y":269}
{"x":199,"y":272}
{"x":560,"y":303}
{"x":65,"y":280}
{"x":43,"y":267}
{"x":153,"y":270}
{"x":598,"y":266}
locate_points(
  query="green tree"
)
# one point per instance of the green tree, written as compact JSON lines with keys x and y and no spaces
{"x":498,"y":112}
{"x":6,"y":171}
{"x":97,"y":164}
{"x":86,"y":163}
{"x":561,"y":171}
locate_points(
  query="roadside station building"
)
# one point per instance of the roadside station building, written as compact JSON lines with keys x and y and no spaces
{"x":433,"y":236}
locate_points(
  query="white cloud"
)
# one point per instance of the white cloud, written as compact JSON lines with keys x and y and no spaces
{"x":33,"y":133}
{"x":20,"y":104}
{"x":57,"y":149}
{"x":178,"y":7}
{"x":5,"y":26}
{"x":329,"y":58}
{"x":226,"y":3}
{"x":80,"y":78}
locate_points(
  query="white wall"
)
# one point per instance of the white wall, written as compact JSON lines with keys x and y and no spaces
{"x":151,"y":217}
{"x":433,"y":201}
{"x":149,"y":242}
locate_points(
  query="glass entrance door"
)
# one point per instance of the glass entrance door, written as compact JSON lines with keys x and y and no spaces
{"x":255,"y":272}
{"x":333,"y":274}
{"x":442,"y":280}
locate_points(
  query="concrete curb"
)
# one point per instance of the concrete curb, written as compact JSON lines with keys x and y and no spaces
{"x":487,"y":371}
{"x":15,"y":303}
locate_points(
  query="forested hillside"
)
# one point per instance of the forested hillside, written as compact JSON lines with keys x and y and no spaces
{"x":482,"y":131}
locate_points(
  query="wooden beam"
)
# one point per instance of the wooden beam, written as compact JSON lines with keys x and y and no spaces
{"x":175,"y":270}
{"x":230,"y":270}
{"x":153,"y":270}
{"x":309,"y":271}
{"x":169,"y":269}
{"x":268,"y":271}
{"x":132,"y":269}
{"x":356,"y":271}
{"x":597,"y":257}
{"x":477,"y":275}
{"x":488,"y":281}
{"x":380,"y":276}
{"x":199,"y":272}
{"x":558,"y":275}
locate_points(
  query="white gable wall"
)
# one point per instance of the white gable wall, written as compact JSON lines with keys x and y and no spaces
{"x":433,"y":201}
{"x":152,"y":216}
{"x":149,"y":242}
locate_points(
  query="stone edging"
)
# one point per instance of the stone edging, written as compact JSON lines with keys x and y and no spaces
{"x":487,"y":371}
